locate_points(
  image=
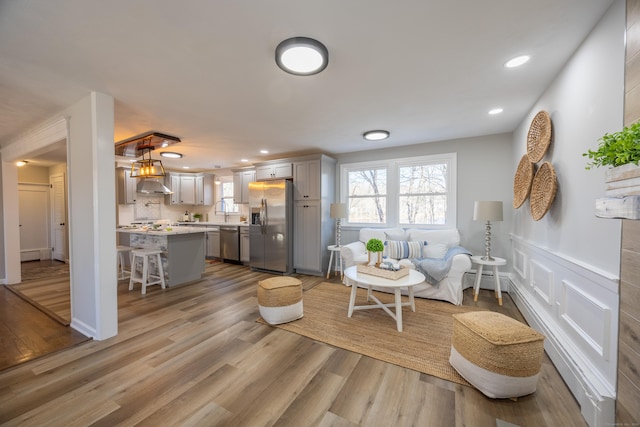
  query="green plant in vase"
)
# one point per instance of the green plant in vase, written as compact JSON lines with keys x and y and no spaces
{"x":375,"y":245}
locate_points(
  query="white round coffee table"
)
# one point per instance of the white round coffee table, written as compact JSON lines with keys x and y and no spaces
{"x":409,"y":281}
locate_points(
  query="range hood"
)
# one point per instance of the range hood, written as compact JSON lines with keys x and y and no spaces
{"x":152,"y":186}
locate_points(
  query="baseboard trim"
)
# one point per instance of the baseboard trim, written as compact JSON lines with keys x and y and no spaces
{"x":83,"y":328}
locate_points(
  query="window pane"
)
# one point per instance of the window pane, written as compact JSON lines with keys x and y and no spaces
{"x":367,"y":182}
{"x":367,"y":196}
{"x":423,"y":209}
{"x":370,"y":210}
{"x":423,"y":179}
{"x":227,"y":197}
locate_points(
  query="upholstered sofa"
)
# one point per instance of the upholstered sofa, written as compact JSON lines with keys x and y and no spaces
{"x":411,"y":247}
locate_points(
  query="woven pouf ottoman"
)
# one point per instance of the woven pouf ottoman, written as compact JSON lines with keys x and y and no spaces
{"x":498,"y":355}
{"x":280,"y":299}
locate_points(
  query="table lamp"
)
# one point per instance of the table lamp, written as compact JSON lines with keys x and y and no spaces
{"x":338,"y":211}
{"x":487,"y":211}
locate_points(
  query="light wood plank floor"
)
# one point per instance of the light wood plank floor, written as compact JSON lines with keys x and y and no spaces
{"x":194,"y":355}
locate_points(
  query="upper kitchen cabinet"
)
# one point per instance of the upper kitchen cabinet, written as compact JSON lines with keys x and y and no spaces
{"x":241,"y":180}
{"x":190,"y":189}
{"x":204,"y":189}
{"x":279,"y":170}
{"x":126,"y":186}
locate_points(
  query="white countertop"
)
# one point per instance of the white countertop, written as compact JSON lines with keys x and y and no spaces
{"x":162,"y":231}
{"x":193,"y":223}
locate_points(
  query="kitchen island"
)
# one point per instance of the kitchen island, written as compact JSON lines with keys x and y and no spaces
{"x":182,"y":250}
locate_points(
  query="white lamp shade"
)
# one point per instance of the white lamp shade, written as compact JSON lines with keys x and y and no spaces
{"x":338,"y":210}
{"x":487,"y":211}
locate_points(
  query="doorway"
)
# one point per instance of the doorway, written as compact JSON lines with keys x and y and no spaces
{"x":34,"y":211}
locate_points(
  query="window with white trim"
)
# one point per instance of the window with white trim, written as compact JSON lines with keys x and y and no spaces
{"x":407,"y":192}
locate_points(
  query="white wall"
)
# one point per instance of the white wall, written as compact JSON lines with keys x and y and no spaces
{"x":484,"y":173}
{"x":566,"y":266}
{"x":88,"y":127}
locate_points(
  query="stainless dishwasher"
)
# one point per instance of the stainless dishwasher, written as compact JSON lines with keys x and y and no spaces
{"x":230,"y":243}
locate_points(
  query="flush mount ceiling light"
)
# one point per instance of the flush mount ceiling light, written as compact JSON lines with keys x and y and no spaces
{"x":376,"y":135}
{"x":495,"y":111}
{"x":302,"y":56}
{"x":517,"y":61}
{"x":171,"y":155}
{"x":20,"y":163}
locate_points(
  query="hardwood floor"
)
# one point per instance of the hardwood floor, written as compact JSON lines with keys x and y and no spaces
{"x":27,"y":333}
{"x":194,"y":355}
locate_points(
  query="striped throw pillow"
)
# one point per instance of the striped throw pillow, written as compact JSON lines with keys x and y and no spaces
{"x":398,"y":249}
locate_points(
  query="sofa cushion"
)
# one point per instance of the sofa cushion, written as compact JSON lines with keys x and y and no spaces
{"x":399,"y":249}
{"x":436,"y":242}
{"x":379,"y":233}
{"x":396,"y":235}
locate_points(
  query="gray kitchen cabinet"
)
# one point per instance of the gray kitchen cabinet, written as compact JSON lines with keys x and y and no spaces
{"x":244,"y":245}
{"x":307,"y":255}
{"x":213,"y":242}
{"x":190,"y":189}
{"x":172,"y":180}
{"x":307,"y":178}
{"x":314,"y":191}
{"x":241,"y":180}
{"x":127,"y":186}
{"x":269,"y":171}
{"x":187,"y":190}
{"x":204,"y":189}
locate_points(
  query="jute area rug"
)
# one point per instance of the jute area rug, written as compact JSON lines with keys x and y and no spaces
{"x":424,"y":345}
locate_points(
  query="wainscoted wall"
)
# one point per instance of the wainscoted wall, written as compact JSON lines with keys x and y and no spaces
{"x":576,"y":307}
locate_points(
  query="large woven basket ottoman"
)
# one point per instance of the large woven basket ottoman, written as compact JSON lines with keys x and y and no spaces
{"x":498,"y":355}
{"x":280,"y":299}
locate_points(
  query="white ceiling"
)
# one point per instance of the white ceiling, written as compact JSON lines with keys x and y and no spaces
{"x":204,"y":70}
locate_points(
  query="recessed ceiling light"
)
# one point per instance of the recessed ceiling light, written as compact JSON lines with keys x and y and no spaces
{"x":517,"y":61}
{"x":185,"y":167}
{"x":171,"y":155}
{"x":264,"y":151}
{"x":496,"y":111}
{"x":302,"y":56}
{"x":20,"y":163}
{"x":244,"y":160}
{"x":376,"y":135}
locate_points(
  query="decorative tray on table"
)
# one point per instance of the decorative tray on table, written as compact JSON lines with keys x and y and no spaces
{"x":381,"y":272}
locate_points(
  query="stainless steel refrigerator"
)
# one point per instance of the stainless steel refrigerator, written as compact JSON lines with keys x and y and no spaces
{"x":271,"y":228}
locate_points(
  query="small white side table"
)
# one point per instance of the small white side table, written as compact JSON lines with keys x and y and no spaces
{"x":495,"y":262}
{"x":337,"y":263}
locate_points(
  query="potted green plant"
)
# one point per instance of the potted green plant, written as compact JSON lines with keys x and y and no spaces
{"x":617,"y":148}
{"x":620,"y":151}
{"x":375,"y":246}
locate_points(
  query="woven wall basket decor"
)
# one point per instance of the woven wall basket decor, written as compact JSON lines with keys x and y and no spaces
{"x":522,"y":181}
{"x":539,"y":136}
{"x":543,"y":190}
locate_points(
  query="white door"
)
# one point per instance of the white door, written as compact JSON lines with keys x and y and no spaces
{"x":58,"y":218}
{"x":33,"y":205}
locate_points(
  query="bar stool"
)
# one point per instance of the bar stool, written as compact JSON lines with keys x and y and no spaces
{"x":123,"y":273}
{"x":145,"y":276}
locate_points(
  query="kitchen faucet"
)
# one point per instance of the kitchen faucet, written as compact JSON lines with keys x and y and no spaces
{"x":223,"y":209}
